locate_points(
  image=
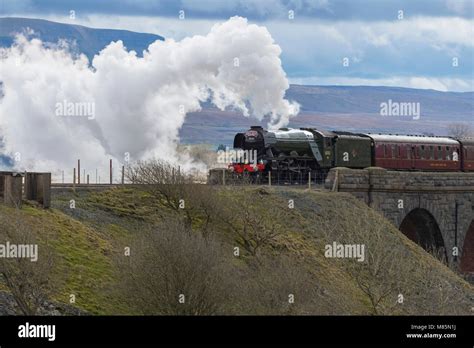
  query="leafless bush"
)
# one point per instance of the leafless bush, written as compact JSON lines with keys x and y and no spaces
{"x":29,"y":282}
{"x":176,"y":190}
{"x":381,"y":276}
{"x":437,"y":291}
{"x":173,"y":270}
{"x":202,"y":206}
{"x":254,"y":228}
{"x":280,"y":285}
{"x":394,"y":278}
{"x":440,"y":295}
{"x":161,"y":179}
{"x":460,"y":130}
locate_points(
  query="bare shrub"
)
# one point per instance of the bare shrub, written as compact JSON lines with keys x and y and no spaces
{"x":202,"y":206}
{"x":438,"y":294}
{"x":395,"y":278}
{"x":163,"y":180}
{"x":254,"y":228}
{"x":381,"y":276}
{"x":173,"y":261}
{"x":280,"y":285}
{"x":460,"y":130}
{"x":176,"y":190}
{"x":437,"y":290}
{"x":29,"y":282}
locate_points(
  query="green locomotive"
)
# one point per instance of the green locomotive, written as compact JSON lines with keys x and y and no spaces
{"x":290,"y":152}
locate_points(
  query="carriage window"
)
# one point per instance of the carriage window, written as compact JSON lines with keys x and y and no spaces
{"x":440,"y":153}
{"x":394,"y":149}
{"x":385,"y":150}
{"x":431,"y":152}
{"x":422,"y":152}
{"x":448,"y":154}
{"x":408,"y":151}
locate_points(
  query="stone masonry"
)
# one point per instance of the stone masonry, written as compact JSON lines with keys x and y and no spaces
{"x":447,"y":196}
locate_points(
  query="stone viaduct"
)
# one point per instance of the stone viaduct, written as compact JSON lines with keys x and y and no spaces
{"x":436,"y":210}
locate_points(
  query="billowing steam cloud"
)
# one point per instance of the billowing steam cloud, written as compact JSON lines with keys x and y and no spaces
{"x":57,"y":108}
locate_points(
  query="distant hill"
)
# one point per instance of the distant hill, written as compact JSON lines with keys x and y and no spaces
{"x":352,"y":108}
{"x":367,"y":100}
{"x":88,"y":40}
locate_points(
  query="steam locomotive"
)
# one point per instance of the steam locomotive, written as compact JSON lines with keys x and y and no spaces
{"x":289,"y":152}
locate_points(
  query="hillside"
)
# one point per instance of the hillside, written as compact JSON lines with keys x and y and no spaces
{"x":367,"y":99}
{"x":281,"y":252}
{"x":350,"y":108}
{"x":88,"y":40}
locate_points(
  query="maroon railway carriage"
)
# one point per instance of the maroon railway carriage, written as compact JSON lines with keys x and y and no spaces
{"x":411,"y":152}
{"x":467,"y":154}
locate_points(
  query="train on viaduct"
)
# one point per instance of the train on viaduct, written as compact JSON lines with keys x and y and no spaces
{"x":423,"y":184}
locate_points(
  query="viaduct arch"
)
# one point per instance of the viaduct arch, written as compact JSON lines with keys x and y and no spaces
{"x":467,"y":258}
{"x":434,"y":209}
{"x":421,"y":227}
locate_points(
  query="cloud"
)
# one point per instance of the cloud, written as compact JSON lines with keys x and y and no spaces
{"x":363,"y":10}
{"x":459,"y":7}
{"x":17,"y":6}
{"x":139,"y":103}
{"x":421,"y":46}
{"x":414,"y":46}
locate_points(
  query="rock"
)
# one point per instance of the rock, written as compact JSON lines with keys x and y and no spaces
{"x":8,"y":306}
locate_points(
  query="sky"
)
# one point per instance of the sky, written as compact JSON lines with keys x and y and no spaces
{"x":421,"y":44}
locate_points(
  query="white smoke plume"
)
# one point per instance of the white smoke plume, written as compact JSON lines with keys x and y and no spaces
{"x":139,"y":104}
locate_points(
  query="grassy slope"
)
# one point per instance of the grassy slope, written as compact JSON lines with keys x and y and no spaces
{"x":87,"y":237}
